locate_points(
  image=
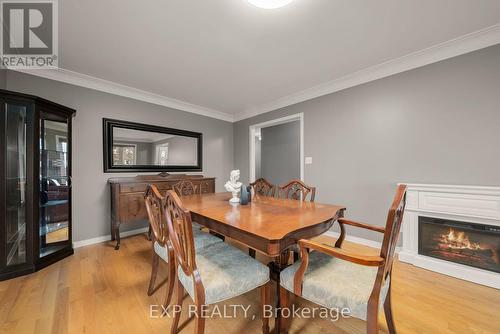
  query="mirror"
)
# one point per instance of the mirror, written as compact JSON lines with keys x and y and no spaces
{"x":134,"y":147}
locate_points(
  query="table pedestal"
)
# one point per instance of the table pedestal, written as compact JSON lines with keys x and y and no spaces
{"x":280,"y":263}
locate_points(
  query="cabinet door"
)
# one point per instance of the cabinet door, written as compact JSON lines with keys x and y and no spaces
{"x":15,"y":131}
{"x":55,"y":185}
{"x":132,"y":208}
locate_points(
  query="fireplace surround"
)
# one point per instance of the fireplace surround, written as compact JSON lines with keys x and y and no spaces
{"x":453,"y":230}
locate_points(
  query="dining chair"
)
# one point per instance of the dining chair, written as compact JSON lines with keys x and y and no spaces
{"x":188,"y":188}
{"x":212,"y":274}
{"x":298,"y":190}
{"x":182,"y":188}
{"x":263,"y":187}
{"x":336,"y":278}
{"x":161,"y":245}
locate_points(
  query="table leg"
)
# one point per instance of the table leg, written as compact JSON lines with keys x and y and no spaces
{"x":280,"y":263}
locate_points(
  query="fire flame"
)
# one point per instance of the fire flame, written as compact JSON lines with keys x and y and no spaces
{"x":458,"y":240}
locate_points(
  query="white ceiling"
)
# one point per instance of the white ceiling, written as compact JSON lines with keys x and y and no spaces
{"x":232,"y":57}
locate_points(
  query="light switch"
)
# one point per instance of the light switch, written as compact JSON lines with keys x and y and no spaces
{"x":309,"y":160}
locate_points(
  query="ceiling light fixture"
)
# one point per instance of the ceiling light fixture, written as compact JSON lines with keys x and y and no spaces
{"x":269,"y":4}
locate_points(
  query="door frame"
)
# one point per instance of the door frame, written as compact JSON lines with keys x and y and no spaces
{"x":287,"y":119}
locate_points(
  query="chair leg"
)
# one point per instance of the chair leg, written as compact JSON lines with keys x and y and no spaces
{"x":172,"y":277}
{"x":178,"y":307}
{"x":200,"y":320}
{"x":284,"y":304}
{"x":372,"y":322}
{"x":388,"y":312}
{"x":154,"y":273}
{"x":265,"y":296}
{"x":251,"y":252}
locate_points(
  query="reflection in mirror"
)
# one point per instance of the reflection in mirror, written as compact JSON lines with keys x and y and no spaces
{"x":143,"y":148}
{"x":54,"y":186}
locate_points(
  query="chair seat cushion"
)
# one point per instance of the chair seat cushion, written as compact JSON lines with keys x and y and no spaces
{"x":225,"y":272}
{"x":335,"y":283}
{"x":201,"y":240}
{"x":204,"y":239}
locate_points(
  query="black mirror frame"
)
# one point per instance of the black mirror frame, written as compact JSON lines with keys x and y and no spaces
{"x":107,"y":127}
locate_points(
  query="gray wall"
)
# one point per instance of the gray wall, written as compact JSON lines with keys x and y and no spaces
{"x":90,"y":192}
{"x":435,"y":124}
{"x":280,"y":152}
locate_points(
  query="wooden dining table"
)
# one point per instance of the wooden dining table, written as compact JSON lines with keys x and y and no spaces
{"x":267,"y":224}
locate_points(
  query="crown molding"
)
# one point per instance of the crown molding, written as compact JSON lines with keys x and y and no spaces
{"x":87,"y":81}
{"x":464,"y":44}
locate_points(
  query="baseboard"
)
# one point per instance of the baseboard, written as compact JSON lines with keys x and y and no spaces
{"x":104,"y":238}
{"x":358,"y":240}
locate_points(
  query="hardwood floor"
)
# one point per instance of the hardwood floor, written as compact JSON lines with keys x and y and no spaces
{"x":100,"y":290}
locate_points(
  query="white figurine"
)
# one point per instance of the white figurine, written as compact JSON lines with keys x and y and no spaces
{"x":234,"y":186}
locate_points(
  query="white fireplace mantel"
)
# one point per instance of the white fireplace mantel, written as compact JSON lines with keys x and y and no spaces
{"x":471,"y":204}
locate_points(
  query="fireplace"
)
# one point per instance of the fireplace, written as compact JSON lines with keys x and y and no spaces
{"x":471,"y":244}
{"x":471,"y":256}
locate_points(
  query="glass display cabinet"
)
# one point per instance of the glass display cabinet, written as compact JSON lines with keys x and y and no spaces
{"x":35,"y":183}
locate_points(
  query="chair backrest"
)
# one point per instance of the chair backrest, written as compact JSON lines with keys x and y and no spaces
{"x":392,"y":228}
{"x":263,"y":187}
{"x":180,"y":231}
{"x":154,"y":206}
{"x":186,"y":188}
{"x":296,"y":189}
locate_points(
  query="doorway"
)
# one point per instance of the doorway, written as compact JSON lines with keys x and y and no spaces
{"x":277,"y":149}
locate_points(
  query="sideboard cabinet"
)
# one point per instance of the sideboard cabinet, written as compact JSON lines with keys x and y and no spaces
{"x":127,"y":196}
{"x":35,"y":183}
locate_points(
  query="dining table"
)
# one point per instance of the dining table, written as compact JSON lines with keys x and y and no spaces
{"x":266,"y":224}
